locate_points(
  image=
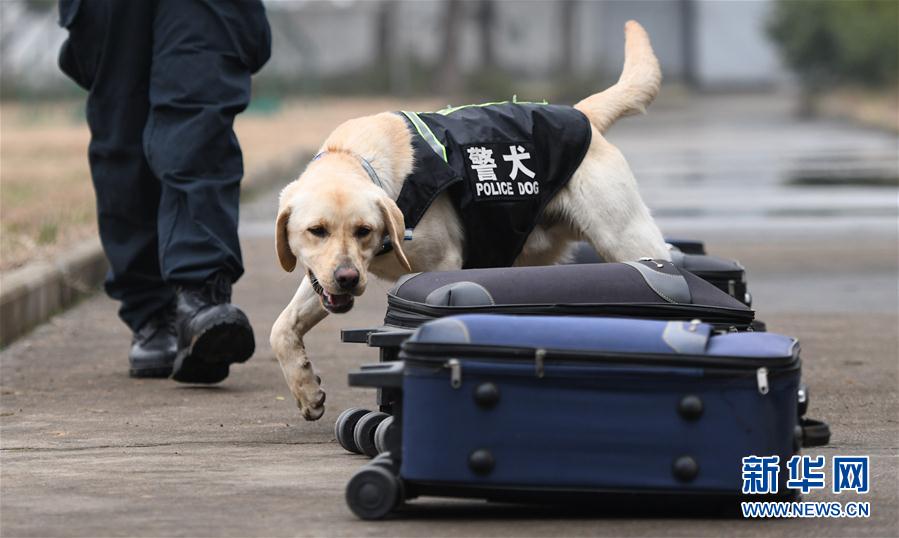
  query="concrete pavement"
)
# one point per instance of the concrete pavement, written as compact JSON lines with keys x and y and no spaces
{"x":86,"y":451}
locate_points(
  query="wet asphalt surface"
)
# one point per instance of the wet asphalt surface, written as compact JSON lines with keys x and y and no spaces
{"x":86,"y":451}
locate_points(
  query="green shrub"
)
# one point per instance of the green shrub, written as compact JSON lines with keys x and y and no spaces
{"x":838,"y":42}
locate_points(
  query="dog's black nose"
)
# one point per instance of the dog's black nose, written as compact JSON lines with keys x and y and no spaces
{"x":346,"y":277}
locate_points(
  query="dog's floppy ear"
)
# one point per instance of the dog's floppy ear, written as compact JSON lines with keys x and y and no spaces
{"x":393,"y":219}
{"x":285,"y":255}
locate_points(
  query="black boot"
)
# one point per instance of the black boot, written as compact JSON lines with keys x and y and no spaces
{"x":154,"y":346}
{"x":212,"y":333}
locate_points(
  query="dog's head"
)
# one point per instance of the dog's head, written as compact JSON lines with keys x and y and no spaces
{"x":333,"y":219}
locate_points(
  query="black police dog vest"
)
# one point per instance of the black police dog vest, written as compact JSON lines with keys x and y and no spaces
{"x":501,"y":164}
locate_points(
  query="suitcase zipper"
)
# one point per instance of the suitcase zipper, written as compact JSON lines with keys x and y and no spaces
{"x":405,"y":313}
{"x":424,"y":351}
{"x":761,"y":378}
{"x":455,"y":368}
{"x":539,"y":356}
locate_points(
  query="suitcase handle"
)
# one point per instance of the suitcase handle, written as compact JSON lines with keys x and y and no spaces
{"x":381,"y":375}
{"x":391,"y":338}
{"x":355,"y":336}
{"x":814,"y":432}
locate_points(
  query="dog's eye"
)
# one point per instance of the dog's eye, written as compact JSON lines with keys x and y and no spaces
{"x":318,"y":231}
{"x":362,"y":231}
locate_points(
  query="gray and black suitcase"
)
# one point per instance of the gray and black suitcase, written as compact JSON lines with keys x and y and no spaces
{"x":652,"y":289}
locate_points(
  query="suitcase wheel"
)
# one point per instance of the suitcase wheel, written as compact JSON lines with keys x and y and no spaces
{"x":345,"y":426}
{"x":364,"y":432}
{"x":383,"y":435}
{"x":373,"y":492}
{"x":386,"y":461}
{"x":814,"y":432}
{"x":383,"y":459}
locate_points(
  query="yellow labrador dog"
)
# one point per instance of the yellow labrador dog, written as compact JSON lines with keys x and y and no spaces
{"x":333,"y":218}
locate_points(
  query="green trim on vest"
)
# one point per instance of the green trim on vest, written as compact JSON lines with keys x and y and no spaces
{"x":425,"y":132}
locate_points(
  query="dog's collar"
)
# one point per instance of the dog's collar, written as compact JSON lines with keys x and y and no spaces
{"x":369,"y":169}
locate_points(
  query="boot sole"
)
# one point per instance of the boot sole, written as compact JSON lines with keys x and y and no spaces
{"x":159,"y":372}
{"x":209,"y":357}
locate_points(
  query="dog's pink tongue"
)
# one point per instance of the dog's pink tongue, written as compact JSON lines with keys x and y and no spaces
{"x":337,"y":300}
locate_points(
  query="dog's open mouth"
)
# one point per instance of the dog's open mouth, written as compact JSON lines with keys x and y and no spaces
{"x":336,"y":303}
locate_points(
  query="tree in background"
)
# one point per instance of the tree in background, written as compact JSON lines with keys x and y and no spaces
{"x":830,"y":43}
{"x":486,"y":20}
{"x":567,"y":23}
{"x":448,"y":79}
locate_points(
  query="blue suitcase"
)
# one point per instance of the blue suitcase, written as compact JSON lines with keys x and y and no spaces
{"x":513,"y":407}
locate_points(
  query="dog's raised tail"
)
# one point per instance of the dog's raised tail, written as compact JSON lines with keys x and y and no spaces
{"x":636,"y":88}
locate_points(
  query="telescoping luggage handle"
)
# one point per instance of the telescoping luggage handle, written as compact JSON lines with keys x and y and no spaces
{"x":376,"y":337}
{"x":380,"y":375}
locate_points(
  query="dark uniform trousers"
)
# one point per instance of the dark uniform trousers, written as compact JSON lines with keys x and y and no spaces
{"x":165,"y":79}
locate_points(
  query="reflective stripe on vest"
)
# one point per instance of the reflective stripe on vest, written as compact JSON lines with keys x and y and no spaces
{"x":426,"y":134}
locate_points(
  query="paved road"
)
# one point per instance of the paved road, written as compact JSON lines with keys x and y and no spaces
{"x":86,"y":451}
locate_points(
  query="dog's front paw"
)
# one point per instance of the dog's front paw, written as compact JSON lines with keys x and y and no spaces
{"x":311,"y":401}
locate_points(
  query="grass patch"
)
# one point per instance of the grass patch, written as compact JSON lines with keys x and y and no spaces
{"x":47,"y":233}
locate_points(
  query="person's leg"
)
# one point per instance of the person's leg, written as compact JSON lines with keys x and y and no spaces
{"x":203,"y":56}
{"x":204,"y":53}
{"x":109,"y":53}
